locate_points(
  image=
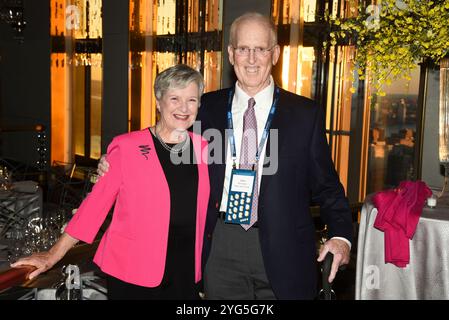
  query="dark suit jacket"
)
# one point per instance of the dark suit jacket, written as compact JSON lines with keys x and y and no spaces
{"x":305,"y":174}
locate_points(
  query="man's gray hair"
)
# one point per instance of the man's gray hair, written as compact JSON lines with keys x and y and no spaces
{"x":178,"y":76}
{"x":252,"y":16}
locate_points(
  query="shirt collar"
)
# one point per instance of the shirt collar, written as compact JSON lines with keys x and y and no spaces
{"x":262,"y":97}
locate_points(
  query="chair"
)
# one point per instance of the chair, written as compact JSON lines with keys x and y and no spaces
{"x":69,"y":184}
{"x":63,"y":169}
{"x":16,"y":208}
{"x":59,"y":181}
{"x":19,"y":170}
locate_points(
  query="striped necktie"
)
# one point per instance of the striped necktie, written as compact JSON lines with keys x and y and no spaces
{"x":248,"y":153}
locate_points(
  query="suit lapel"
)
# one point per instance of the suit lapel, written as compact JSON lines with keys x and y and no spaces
{"x":218,"y":120}
{"x":149,"y":169}
{"x":280,"y":118}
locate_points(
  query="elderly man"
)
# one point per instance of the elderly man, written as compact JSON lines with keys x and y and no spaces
{"x":274,"y":255}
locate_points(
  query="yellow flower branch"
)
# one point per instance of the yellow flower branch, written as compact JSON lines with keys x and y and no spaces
{"x":392,"y":37}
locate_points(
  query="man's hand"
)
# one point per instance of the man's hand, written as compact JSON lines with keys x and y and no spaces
{"x":103,"y":166}
{"x":340,"y":250}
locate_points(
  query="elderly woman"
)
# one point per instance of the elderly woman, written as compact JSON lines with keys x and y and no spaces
{"x":152,"y":248}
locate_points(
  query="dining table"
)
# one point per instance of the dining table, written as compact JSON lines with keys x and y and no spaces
{"x":425,"y":277}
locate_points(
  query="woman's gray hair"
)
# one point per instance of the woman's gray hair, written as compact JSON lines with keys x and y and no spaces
{"x":252,"y":16}
{"x":178,"y":76}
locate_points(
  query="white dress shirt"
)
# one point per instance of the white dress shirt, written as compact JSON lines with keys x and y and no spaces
{"x":264,"y":100}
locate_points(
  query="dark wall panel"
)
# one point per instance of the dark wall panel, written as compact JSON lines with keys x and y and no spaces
{"x":25,"y":81}
{"x":115,"y":70}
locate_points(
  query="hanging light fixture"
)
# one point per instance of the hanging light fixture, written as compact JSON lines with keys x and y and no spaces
{"x":11,"y":12}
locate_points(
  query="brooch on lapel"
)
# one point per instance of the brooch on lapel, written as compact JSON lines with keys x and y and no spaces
{"x":145,"y":149}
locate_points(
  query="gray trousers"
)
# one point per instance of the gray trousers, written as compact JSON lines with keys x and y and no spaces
{"x":235,"y":269}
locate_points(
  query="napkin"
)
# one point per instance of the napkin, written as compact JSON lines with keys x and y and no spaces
{"x":398,"y":214}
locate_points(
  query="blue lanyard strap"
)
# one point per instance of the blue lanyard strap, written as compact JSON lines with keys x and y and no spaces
{"x":231,"y":126}
{"x":265,"y":131}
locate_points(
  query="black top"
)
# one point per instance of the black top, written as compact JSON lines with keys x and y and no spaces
{"x":182,"y":179}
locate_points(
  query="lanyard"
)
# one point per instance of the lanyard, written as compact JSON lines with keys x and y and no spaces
{"x":265,"y":131}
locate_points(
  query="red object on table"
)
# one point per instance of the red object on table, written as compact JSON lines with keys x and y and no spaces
{"x":398,"y":214}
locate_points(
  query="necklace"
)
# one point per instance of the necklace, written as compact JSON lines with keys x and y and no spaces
{"x":177,"y":148}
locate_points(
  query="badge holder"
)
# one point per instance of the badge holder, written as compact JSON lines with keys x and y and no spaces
{"x":240,"y":196}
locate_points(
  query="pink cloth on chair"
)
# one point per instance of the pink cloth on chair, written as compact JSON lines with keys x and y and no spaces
{"x":398,"y":215}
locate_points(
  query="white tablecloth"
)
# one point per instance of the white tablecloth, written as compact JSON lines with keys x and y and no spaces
{"x":427,"y":274}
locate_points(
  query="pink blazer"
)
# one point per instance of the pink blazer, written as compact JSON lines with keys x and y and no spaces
{"x":134,"y":247}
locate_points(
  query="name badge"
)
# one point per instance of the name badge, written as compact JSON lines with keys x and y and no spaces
{"x":240,"y":196}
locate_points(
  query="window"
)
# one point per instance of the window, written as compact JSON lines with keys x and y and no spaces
{"x":392,"y":140}
{"x":164,"y":33}
{"x":373,"y":140}
{"x":76,"y":80}
{"x":304,"y":68}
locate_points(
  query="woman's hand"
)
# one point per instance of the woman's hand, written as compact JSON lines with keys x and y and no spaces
{"x":43,"y":261}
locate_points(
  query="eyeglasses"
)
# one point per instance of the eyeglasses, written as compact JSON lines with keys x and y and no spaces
{"x":258,"y":51}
